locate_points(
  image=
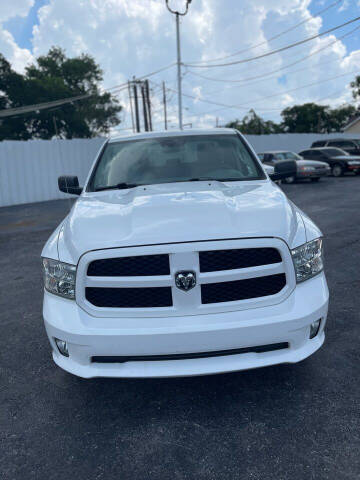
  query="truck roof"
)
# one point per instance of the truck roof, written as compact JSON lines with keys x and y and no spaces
{"x":172,"y":133}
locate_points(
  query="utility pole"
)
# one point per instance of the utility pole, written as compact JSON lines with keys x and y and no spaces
{"x":131,"y":108}
{"x":136,"y":107}
{"x":164,"y":102}
{"x":147,"y":91}
{"x":144,"y":107}
{"x":55,"y":127}
{"x":178,"y":49}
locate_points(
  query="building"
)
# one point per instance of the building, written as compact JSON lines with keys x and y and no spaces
{"x":353,"y":126}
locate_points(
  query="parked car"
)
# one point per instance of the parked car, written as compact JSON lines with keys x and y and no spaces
{"x":268,"y":169}
{"x":340,"y":162}
{"x":306,"y":169}
{"x":349,"y":145}
{"x":181,"y":257}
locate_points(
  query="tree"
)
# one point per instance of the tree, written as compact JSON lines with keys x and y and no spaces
{"x":313,"y":118}
{"x":307,"y":118}
{"x":55,"y":76}
{"x":253,"y":124}
{"x":355,"y":85}
{"x":339,"y":117}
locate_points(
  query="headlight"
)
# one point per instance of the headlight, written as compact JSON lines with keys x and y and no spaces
{"x":307,"y":169}
{"x":353,"y":162}
{"x":59,"y":278}
{"x":308,"y":260}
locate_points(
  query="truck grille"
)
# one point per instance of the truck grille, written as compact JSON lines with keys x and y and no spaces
{"x":217,"y":260}
{"x":130,"y":297}
{"x":230,"y":275}
{"x":142,"y":265}
{"x":242,"y":289}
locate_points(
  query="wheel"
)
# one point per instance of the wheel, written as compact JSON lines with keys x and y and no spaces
{"x":357,"y":172}
{"x":337,"y":170}
{"x":290,"y":179}
{"x":315,"y":179}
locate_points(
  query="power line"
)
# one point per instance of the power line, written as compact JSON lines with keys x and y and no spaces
{"x":8,"y":112}
{"x":252,"y":47}
{"x":273,"y":52}
{"x":275,"y":76}
{"x":242,"y":107}
{"x":327,"y":97}
{"x":264,"y":75}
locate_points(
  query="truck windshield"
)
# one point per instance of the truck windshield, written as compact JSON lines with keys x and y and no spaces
{"x":129,"y":163}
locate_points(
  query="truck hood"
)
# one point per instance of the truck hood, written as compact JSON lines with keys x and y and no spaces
{"x":179,"y":212}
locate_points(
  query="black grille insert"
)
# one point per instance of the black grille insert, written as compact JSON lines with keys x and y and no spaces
{"x":216,"y":260}
{"x":138,"y":266}
{"x":186,"y":356}
{"x":242,"y":289}
{"x":129,"y":297}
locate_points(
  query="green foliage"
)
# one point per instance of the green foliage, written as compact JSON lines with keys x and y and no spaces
{"x":54,"y":77}
{"x":306,"y":118}
{"x":252,"y":124}
{"x":312,"y":118}
{"x":355,"y":85}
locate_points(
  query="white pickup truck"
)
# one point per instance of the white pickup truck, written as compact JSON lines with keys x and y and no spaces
{"x":182,"y":257}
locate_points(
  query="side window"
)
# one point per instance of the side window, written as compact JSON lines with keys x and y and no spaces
{"x":317,"y":155}
{"x":268,"y":157}
{"x":305,"y":153}
{"x":348,"y":145}
{"x":344,"y":144}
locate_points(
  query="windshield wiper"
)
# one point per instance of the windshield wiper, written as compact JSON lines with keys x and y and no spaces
{"x":200,"y":179}
{"x":119,"y":186}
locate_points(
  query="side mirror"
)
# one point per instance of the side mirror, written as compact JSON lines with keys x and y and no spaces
{"x":284,"y":169}
{"x":69,"y":184}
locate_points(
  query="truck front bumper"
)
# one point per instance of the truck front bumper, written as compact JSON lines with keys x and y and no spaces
{"x":88,"y":337}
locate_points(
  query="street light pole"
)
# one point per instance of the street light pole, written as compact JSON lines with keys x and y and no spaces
{"x":178,"y":49}
{"x":179,"y":70}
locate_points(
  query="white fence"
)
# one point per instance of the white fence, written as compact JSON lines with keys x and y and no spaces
{"x":295,"y":142}
{"x":29,"y":170}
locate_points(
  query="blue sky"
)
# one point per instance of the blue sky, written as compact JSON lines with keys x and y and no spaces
{"x":133,"y":37}
{"x":21,"y":27}
{"x":347,"y":10}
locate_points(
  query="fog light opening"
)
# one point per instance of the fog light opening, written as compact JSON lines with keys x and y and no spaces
{"x":62,"y":347}
{"x":314,"y":328}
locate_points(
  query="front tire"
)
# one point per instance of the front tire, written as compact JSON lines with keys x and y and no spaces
{"x":337,"y":170}
{"x":317,"y":179}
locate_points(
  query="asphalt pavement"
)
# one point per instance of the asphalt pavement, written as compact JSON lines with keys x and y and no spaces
{"x":289,"y":422}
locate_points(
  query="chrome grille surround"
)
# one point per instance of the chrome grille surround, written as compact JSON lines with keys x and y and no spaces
{"x":185,"y":256}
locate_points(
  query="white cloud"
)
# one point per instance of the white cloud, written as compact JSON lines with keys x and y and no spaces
{"x":133,"y":37}
{"x":13,"y":8}
{"x":17,"y":56}
{"x":344,"y":6}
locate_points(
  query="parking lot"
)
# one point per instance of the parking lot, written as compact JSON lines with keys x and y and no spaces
{"x":286,"y":422}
